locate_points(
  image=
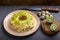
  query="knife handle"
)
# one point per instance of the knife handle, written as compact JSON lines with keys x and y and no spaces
{"x":50,"y":9}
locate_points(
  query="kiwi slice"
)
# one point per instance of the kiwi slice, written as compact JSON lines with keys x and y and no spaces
{"x":53,"y":27}
{"x":49,"y":19}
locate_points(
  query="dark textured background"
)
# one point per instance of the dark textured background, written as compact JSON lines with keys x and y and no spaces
{"x":29,"y":2}
{"x":38,"y":35}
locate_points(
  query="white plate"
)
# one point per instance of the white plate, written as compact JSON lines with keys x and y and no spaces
{"x":6,"y":24}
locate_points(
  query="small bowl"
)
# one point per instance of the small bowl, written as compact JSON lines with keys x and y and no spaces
{"x":7,"y":19}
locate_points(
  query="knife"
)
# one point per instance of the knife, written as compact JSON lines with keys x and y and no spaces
{"x":42,"y":9}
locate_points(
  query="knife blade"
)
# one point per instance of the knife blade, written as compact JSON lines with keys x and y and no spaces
{"x":32,"y":9}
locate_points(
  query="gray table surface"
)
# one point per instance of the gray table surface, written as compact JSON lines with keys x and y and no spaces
{"x":38,"y":35}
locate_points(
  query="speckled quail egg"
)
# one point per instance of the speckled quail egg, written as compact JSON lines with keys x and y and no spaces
{"x":47,"y":13}
{"x":51,"y":15}
{"x":42,"y":17}
{"x":39,"y":14}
